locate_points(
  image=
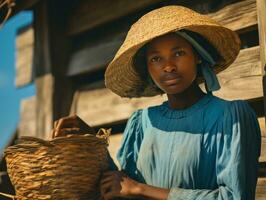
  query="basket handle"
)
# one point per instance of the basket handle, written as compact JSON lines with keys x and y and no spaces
{"x":8,"y":196}
{"x":104,"y":133}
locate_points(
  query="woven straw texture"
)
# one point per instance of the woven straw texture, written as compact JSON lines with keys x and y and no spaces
{"x":66,"y":168}
{"x":121,"y":76}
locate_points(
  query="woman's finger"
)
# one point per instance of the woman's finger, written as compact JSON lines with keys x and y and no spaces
{"x":107,"y":179}
{"x":105,"y":187}
{"x":55,"y":123}
{"x":67,"y":122}
{"x":110,"y":195}
{"x":52,"y":133}
{"x":66,"y":131}
{"x":109,"y":173}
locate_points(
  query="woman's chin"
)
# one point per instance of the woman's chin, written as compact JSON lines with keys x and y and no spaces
{"x":174,"y":89}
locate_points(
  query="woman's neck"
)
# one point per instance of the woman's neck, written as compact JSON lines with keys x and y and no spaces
{"x":187,"y":98}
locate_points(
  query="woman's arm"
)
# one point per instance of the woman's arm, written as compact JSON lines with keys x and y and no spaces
{"x":116,"y":184}
{"x":151,"y":192}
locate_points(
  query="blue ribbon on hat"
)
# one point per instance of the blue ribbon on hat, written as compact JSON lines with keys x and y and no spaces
{"x":212,"y":83}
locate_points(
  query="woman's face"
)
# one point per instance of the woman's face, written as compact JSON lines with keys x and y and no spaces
{"x":171,"y":63}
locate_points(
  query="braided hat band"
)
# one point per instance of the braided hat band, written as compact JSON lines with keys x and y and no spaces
{"x":212,"y":83}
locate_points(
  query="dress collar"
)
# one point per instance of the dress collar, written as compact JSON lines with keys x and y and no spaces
{"x":168,"y":112}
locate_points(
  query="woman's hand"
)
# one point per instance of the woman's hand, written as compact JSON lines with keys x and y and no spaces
{"x":116,"y":184}
{"x":70,"y":125}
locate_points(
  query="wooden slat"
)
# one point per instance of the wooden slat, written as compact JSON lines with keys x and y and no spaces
{"x":96,"y":54}
{"x":28,"y":112}
{"x":243,"y":78}
{"x":237,"y":16}
{"x":44,"y":106}
{"x":54,"y":90}
{"x":93,"y":13}
{"x":261,"y":7}
{"x":114,"y":145}
{"x":102,"y":106}
{"x":262,"y":126}
{"x":263,"y":150}
{"x":261,"y":189}
{"x":98,"y":51}
{"x":24,"y":57}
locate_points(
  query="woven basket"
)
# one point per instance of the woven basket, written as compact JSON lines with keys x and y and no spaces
{"x":63,"y":168}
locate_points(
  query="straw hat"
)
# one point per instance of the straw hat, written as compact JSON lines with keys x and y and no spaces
{"x":121,"y":75}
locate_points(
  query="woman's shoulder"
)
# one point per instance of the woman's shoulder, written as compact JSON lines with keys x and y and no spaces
{"x":233,"y":109}
{"x":230,"y":104}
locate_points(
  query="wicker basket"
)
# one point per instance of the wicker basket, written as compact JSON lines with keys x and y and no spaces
{"x":66,"y":168}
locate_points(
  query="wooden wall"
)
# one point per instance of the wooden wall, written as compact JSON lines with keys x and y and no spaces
{"x":89,"y":43}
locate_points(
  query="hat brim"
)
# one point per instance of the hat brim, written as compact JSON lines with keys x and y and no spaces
{"x":123,"y":79}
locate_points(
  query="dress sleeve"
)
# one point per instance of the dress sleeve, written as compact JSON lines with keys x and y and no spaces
{"x":238,"y":150}
{"x":132,"y":138}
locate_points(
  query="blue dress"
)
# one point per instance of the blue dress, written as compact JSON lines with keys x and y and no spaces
{"x":208,"y":151}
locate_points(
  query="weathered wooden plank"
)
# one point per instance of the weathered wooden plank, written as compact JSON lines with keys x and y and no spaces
{"x":261,"y":189}
{"x":94,"y":13}
{"x":101,"y":106}
{"x":237,"y":16}
{"x":98,"y":51}
{"x":24,"y":57}
{"x":28,"y":112}
{"x":44,"y":105}
{"x":261,"y":7}
{"x":95,"y":55}
{"x":262,"y":126}
{"x":263,"y":149}
{"x":91,"y":14}
{"x":114,"y":145}
{"x":54,"y":89}
{"x":243,"y":78}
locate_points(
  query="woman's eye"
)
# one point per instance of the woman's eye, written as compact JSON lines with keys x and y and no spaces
{"x":155,"y":59}
{"x":179,"y":53}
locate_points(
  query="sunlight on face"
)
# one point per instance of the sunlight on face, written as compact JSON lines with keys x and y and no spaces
{"x":171,"y":63}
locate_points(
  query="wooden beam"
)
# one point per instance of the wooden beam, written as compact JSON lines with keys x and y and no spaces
{"x":261,"y":7}
{"x":24,"y":57}
{"x":93,"y":13}
{"x":261,"y":189}
{"x":98,"y":48}
{"x":50,"y":58}
{"x":243,"y":78}
{"x":28,"y":112}
{"x":237,"y":16}
{"x":99,"y":51}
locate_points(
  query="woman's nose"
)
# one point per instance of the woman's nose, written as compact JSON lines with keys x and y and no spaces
{"x":170,"y":67}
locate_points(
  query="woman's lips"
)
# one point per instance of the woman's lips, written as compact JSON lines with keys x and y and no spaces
{"x":172,"y":80}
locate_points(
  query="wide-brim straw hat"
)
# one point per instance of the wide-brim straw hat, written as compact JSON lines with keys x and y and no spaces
{"x":121,"y":75}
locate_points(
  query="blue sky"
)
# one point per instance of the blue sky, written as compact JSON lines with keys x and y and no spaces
{"x":10,"y":95}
